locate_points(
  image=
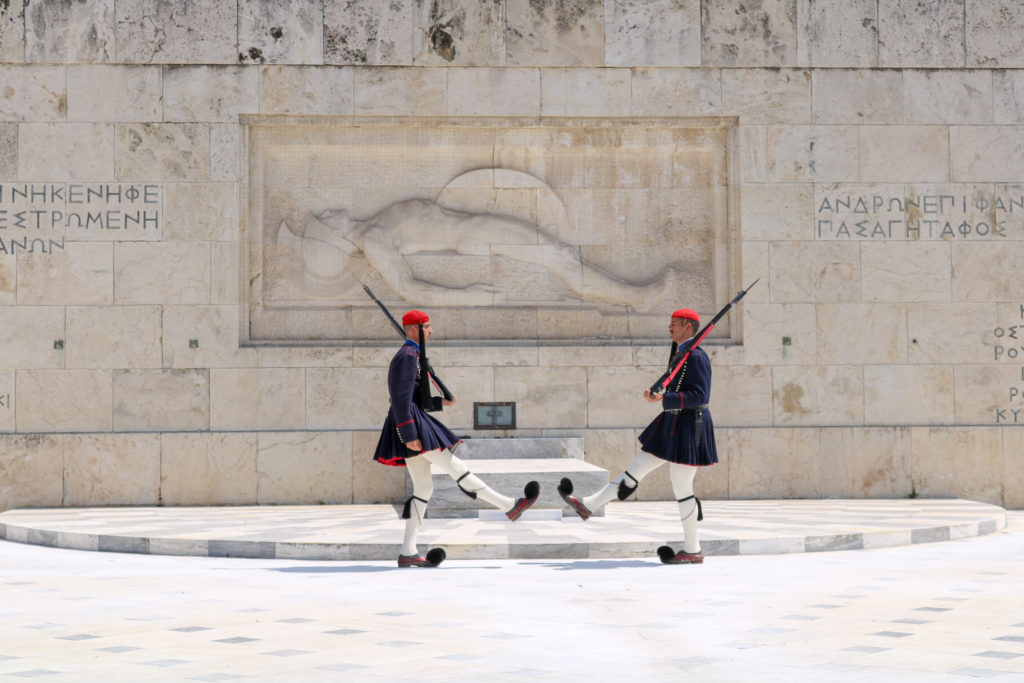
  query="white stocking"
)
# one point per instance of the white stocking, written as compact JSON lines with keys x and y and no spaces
{"x":422,"y":489}
{"x":459,"y":471}
{"x":682,"y":485}
{"x":643,"y":464}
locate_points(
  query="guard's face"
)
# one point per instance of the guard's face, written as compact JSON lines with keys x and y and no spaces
{"x":427,"y":331}
{"x":680,"y":330}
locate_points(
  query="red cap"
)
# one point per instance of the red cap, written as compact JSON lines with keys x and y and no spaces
{"x":415,"y":318}
{"x":686,"y":314}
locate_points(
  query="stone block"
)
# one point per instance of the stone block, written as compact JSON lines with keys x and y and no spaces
{"x":33,"y":94}
{"x":458,"y":33}
{"x":8,"y":151}
{"x":615,"y":396}
{"x":991,"y":34}
{"x":161,"y":400}
{"x":545,"y":397}
{"x":1008,"y":96}
{"x":352,"y":398}
{"x":162,"y":151}
{"x":308,"y":357}
{"x":29,"y":336}
{"x":210,"y":93}
{"x":177,"y":32}
{"x":815,"y":271}
{"x":111,"y":469}
{"x":395,"y":91}
{"x":201,"y":212}
{"x":800,"y":153}
{"x":971,"y":340}
{"x":774,"y":463}
{"x":99,"y":93}
{"x":208,"y":469}
{"x":66,"y":151}
{"x":556,"y":34}
{"x":908,"y":395}
{"x":225,"y":152}
{"x":224,"y":273}
{"x":988,"y":394}
{"x":281,"y":33}
{"x":892,"y":154}
{"x":766,"y":96}
{"x":658,"y":33}
{"x":764,"y":34}
{"x":809,"y":395}
{"x":214,"y":329}
{"x":161,"y":273}
{"x":113,"y":337}
{"x":777,"y":212}
{"x":986,"y":271}
{"x":8,"y":390}
{"x":841,"y":338}
{"x":305,"y":90}
{"x":604,"y":356}
{"x":80,"y":274}
{"x":307,"y":468}
{"x":494,"y":92}
{"x":257,"y":399}
{"x":866,"y":463}
{"x":1013,"y":468}
{"x":837,"y":34}
{"x":373,"y":483}
{"x":521,"y":448}
{"x":31,"y":471}
{"x":985,"y":153}
{"x":369,"y":32}
{"x":908,"y":272}
{"x":779,"y":334}
{"x":939,"y":455}
{"x":64,"y":400}
{"x":676,"y":92}
{"x":862,"y":96}
{"x":12,"y":32}
{"x":948,"y":97}
{"x":741,"y":395}
{"x":916,"y":34}
{"x":585,"y":92}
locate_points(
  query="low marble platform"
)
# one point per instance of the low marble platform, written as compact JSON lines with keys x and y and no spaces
{"x":630,"y":529}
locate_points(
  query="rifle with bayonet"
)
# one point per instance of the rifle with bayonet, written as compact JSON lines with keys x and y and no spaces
{"x":425,"y":400}
{"x":679,"y":357}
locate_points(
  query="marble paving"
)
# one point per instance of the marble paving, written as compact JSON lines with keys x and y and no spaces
{"x":373,"y":532}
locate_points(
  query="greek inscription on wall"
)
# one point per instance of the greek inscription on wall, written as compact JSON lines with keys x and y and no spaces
{"x":972,"y":214}
{"x":37,"y":218}
{"x":1009,"y":348}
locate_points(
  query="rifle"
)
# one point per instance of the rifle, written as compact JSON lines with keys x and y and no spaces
{"x":679,"y":357}
{"x":424,"y":362}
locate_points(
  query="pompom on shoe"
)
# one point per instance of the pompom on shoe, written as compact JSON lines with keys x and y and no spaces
{"x":565,"y":489}
{"x":531,"y":492}
{"x":669,"y":556}
{"x":435,"y":556}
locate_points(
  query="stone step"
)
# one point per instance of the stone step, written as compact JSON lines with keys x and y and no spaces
{"x":508,"y":477}
{"x":529,"y":447}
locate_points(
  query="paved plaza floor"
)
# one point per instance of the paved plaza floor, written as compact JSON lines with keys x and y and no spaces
{"x":922,"y":610}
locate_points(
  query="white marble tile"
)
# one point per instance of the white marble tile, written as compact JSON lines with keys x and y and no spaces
{"x":161,"y":273}
{"x":948,"y":97}
{"x":66,"y":151}
{"x":676,"y":92}
{"x":908,"y":394}
{"x":80,"y":274}
{"x":891,"y":154}
{"x":493,"y":92}
{"x":113,"y":337}
{"x":64,"y":400}
{"x":837,"y":34}
{"x":871,"y":96}
{"x":161,"y":400}
{"x":585,"y":92}
{"x":769,"y":95}
{"x":306,"y":90}
{"x":421,"y":91}
{"x":916,"y":34}
{"x":100,"y":93}
{"x":990,"y":32}
{"x":30,"y":336}
{"x":209,"y":93}
{"x":112,"y":469}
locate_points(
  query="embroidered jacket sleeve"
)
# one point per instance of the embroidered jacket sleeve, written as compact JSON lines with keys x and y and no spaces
{"x":695,"y":389}
{"x":401,"y":386}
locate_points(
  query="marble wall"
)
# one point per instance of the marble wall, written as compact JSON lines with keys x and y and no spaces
{"x":881,"y":200}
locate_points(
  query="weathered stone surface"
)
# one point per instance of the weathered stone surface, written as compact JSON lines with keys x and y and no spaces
{"x":938,"y":457}
{"x":101,"y":93}
{"x":992,"y":34}
{"x":866,"y":463}
{"x":857,"y":96}
{"x":161,"y":400}
{"x":162,"y":151}
{"x":805,"y":395}
{"x":224,"y":273}
{"x":494,"y":92}
{"x":904,"y":154}
{"x":762,"y":34}
{"x":458,"y":33}
{"x":908,"y":394}
{"x":69,"y":31}
{"x":774,"y":463}
{"x":545,"y":397}
{"x":1013,"y":468}
{"x":585,"y":92}
{"x":177,"y":32}
{"x":368,"y":32}
{"x":64,"y":400}
{"x":214,"y":331}
{"x":676,"y":92}
{"x":305,"y":90}
{"x":1008,"y":96}
{"x":615,"y":396}
{"x":31,"y":471}
{"x":769,"y":95}
{"x":29,"y":336}
{"x":837,"y":34}
{"x":799,"y":153}
{"x":200,"y":212}
{"x":69,"y":151}
{"x":948,"y":97}
{"x":346,"y":397}
{"x":257,"y":399}
{"x":840,"y":339}
{"x":970,"y":341}
{"x":986,"y":153}
{"x":396,"y":91}
{"x":304,"y":467}
{"x":741,"y":395}
{"x":286,"y":33}
{"x":658,"y":33}
{"x":209,"y":93}
{"x":113,"y":337}
{"x":555,"y":34}
{"x":8,"y":151}
{"x":371,"y":481}
{"x":80,"y":274}
{"x":208,"y":469}
{"x":905,"y":272}
{"x":816,"y":271}
{"x":988,"y":394}
{"x":12,"y":32}
{"x":777,"y":212}
{"x":8,"y":390}
{"x":994,"y":278}
{"x":925,"y":34}
{"x":779,"y":333}
{"x":225,"y":152}
{"x":111,"y":469}
{"x":161,"y":273}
